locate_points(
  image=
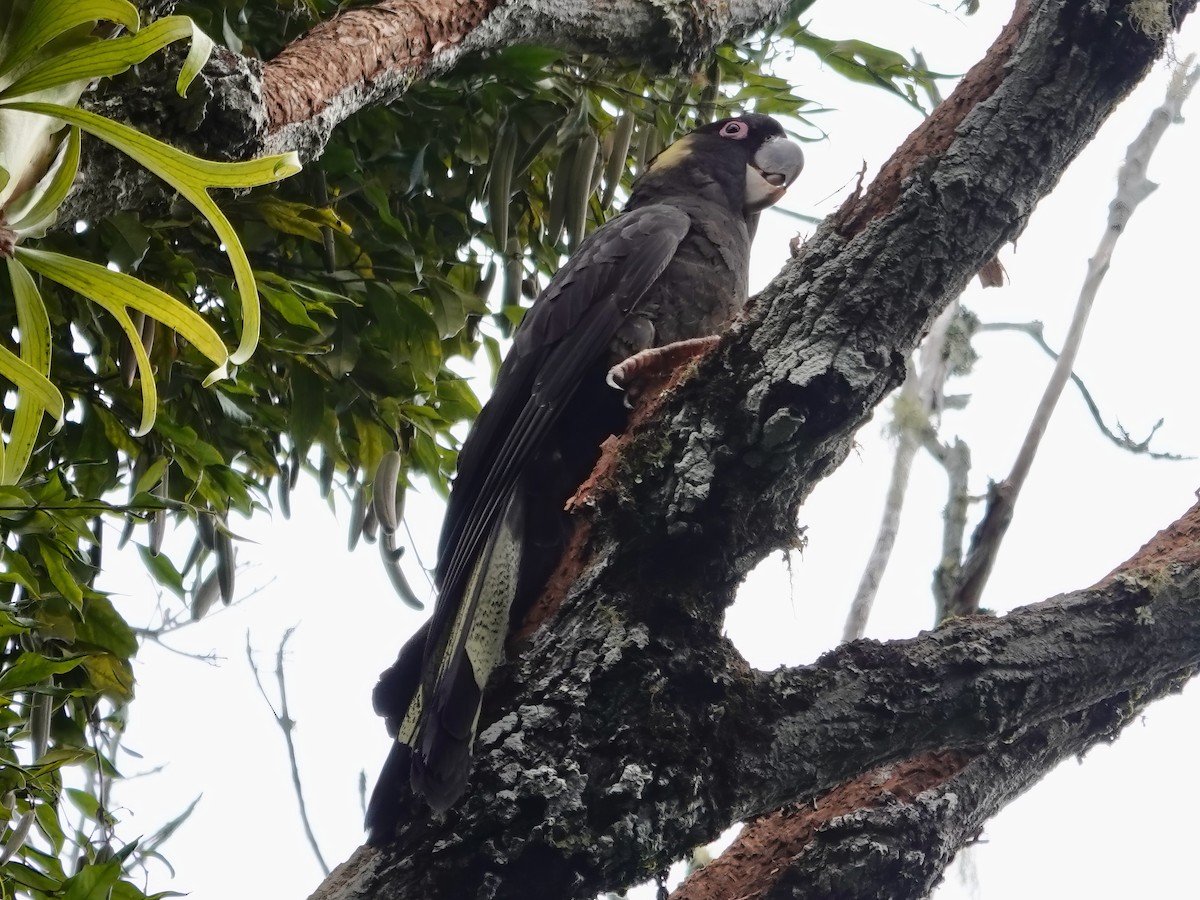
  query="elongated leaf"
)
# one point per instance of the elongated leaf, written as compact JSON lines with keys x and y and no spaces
{"x":34,"y":326}
{"x":192,"y":177}
{"x":114,"y":290}
{"x":26,"y":377}
{"x":54,"y":187}
{"x":105,"y":58}
{"x":50,"y":18}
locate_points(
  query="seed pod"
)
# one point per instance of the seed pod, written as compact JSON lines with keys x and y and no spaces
{"x":390,"y":555}
{"x":325,"y":474}
{"x":194,"y":556}
{"x":510,"y":295}
{"x":127,"y":362}
{"x":204,"y":595}
{"x":357,"y":512}
{"x":283,"y":493}
{"x":387,"y":476}
{"x":158,"y":518}
{"x":206,"y":530}
{"x":648,"y":145}
{"x":500,"y":184}
{"x":226,"y":564}
{"x":96,"y":551}
{"x":581,"y":189}
{"x":370,"y":527}
{"x":560,"y":188}
{"x":614,"y":167}
{"x":148,"y":331}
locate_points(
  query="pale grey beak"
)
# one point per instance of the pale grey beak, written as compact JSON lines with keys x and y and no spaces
{"x":775,"y":166}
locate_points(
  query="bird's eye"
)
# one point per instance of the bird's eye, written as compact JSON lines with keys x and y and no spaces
{"x":735,"y":130}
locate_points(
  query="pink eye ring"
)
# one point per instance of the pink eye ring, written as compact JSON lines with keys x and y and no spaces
{"x":736,"y":130}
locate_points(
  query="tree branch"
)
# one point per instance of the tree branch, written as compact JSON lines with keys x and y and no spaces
{"x":1123,"y":440}
{"x":286,"y":724}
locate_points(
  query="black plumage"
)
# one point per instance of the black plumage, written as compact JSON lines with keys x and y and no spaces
{"x":672,"y":267}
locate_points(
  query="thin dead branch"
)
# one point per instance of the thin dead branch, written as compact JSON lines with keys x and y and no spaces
{"x":286,"y":725}
{"x":1122,"y":439}
{"x":1132,"y":188}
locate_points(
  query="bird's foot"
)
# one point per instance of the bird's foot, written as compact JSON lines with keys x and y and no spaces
{"x":643,"y":369}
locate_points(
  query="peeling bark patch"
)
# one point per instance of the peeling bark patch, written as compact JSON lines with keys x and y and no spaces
{"x":755,"y":862}
{"x":936,"y":133}
{"x":355,"y":48}
{"x":1176,"y":545}
{"x":602,"y":480}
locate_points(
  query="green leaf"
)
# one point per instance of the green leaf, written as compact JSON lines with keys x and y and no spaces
{"x":37,"y":393}
{"x":115,"y":291}
{"x":48,"y":19}
{"x":192,"y":177}
{"x":22,"y":874}
{"x":60,"y":575}
{"x":33,"y":668}
{"x":103,"y":626}
{"x":93,"y":882}
{"x":112,"y":57}
{"x":110,"y":675}
{"x":162,"y":570}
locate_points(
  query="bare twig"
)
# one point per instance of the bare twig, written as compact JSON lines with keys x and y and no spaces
{"x":286,"y":724}
{"x":918,"y":401}
{"x":1132,"y":188}
{"x":1123,"y":440}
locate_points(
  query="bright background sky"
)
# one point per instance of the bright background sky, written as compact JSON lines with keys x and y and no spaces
{"x":1112,"y":826}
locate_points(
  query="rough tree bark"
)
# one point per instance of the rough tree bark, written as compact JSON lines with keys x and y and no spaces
{"x":630,"y":730}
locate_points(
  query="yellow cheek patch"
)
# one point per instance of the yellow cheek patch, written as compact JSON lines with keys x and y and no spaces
{"x":675,"y":154}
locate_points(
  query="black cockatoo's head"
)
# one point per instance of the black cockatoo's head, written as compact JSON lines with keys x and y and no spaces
{"x":746,"y":161}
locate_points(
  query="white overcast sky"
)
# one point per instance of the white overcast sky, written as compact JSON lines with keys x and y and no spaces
{"x":1111,"y":826}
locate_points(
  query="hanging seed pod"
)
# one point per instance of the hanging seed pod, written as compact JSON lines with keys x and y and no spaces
{"x":357,"y":513}
{"x":390,"y":555}
{"x":140,"y":465}
{"x":510,"y":294}
{"x":194,"y":556}
{"x":648,"y":146}
{"x":614,"y":167}
{"x":283,"y":493}
{"x":370,"y":529}
{"x":158,"y":518}
{"x":581,"y":184}
{"x":96,"y":551}
{"x":226,"y":563}
{"x":387,"y":477}
{"x":148,"y":332}
{"x":500,"y":176}
{"x":325,"y":474}
{"x":204,"y":595}
{"x":206,"y":529}
{"x":560,"y":189}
